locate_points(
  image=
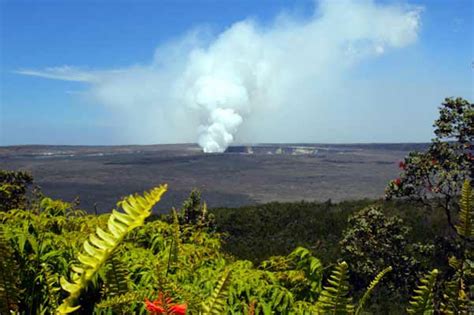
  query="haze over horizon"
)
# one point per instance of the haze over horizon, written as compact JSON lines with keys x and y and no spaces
{"x":218,"y":73}
{"x":234,"y":144}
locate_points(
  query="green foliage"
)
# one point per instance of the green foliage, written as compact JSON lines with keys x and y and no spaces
{"x":456,"y":295}
{"x":216,"y":303}
{"x":182,"y":260}
{"x":116,"y":278}
{"x":116,"y":302}
{"x":191,"y":209}
{"x":258,"y":232}
{"x":282,"y":284}
{"x":43,"y":245}
{"x":334,"y":298}
{"x":312,"y":268}
{"x":456,"y":121}
{"x":440,"y":171}
{"x":371,"y":288}
{"x":101,"y":245}
{"x":422,"y":299}
{"x":465,"y":227}
{"x":175,"y":246}
{"x":372,"y":241}
{"x":456,"y":299}
{"x":194,"y":212}
{"x":9,"y":290}
{"x":13,"y":189}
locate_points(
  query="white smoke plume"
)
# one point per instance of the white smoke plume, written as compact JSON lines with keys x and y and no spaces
{"x":251,"y":82}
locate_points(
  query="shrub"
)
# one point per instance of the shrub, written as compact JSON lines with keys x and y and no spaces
{"x":373,"y":241}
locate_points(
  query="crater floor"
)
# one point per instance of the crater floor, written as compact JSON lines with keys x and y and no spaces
{"x":246,"y":174}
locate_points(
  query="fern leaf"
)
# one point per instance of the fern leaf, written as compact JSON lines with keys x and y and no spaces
{"x":118,"y":301}
{"x":217,"y":302}
{"x":98,"y":248}
{"x":334,"y":299}
{"x":371,"y":287}
{"x":421,"y":301}
{"x":52,"y":287}
{"x":116,"y":278}
{"x":465,"y":227}
{"x":9,"y":292}
{"x":176,"y":238}
{"x":455,"y":298}
{"x":312,"y":267}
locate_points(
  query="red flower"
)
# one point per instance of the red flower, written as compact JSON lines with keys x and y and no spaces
{"x":397,"y":181}
{"x":179,"y":309}
{"x":164,"y":305}
{"x":154,"y":307}
{"x":434,"y":162}
{"x":402,"y":165}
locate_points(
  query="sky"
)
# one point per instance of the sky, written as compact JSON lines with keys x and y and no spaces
{"x":221,"y":72}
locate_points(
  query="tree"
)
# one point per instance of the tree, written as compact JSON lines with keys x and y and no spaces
{"x":13,"y":189}
{"x":374,"y":241}
{"x":194,"y":211}
{"x":436,"y":176}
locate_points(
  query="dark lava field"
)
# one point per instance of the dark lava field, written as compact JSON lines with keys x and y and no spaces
{"x":243,"y":175}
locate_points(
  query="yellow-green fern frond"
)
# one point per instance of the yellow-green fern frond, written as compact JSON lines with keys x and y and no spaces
{"x":465,"y":226}
{"x":421,"y":301}
{"x":101,"y":245}
{"x":217,"y":302}
{"x":334,"y":299}
{"x":371,"y":287}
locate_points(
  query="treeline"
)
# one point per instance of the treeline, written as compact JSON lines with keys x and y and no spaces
{"x":258,"y":232}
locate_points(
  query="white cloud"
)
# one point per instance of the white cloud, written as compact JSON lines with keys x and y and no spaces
{"x":249,"y":83}
{"x":65,"y":73}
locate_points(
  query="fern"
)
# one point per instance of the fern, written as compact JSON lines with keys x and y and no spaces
{"x":455,"y":296}
{"x":120,"y":300}
{"x":217,"y":302}
{"x":421,"y":301}
{"x":116,"y":278}
{"x":465,"y":227}
{"x":176,"y":239}
{"x":9,"y":292}
{"x":52,"y":287}
{"x":334,"y":298}
{"x":371,"y":287}
{"x":456,"y":299}
{"x":281,"y":298}
{"x":312,"y":267}
{"x":102,"y":244}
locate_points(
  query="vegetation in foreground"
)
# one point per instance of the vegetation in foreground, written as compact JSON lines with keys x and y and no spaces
{"x":359,"y":257}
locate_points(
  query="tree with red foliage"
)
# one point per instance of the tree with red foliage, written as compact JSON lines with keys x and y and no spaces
{"x":435,"y":176}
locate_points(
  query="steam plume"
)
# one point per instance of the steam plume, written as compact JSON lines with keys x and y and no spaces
{"x":250,"y":80}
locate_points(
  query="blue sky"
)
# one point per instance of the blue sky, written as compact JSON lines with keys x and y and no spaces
{"x":110,"y":35}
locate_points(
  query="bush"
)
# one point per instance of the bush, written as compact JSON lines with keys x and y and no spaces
{"x":373,"y":241}
{"x":13,"y":189}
